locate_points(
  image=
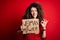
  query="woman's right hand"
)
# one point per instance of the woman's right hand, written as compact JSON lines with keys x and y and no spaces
{"x":19,"y":29}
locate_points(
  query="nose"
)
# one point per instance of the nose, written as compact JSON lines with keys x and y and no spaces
{"x":34,"y":13}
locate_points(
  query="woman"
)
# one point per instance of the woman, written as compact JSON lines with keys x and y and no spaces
{"x":34,"y":11}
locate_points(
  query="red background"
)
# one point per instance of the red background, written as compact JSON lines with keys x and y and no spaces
{"x":11,"y":12}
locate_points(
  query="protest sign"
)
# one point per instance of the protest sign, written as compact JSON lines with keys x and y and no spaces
{"x":30,"y":26}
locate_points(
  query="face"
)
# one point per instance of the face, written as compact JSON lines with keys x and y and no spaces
{"x":34,"y":12}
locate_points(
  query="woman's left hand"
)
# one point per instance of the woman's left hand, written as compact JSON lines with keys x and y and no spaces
{"x":44,"y":23}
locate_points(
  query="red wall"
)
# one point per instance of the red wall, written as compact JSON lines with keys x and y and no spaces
{"x":11,"y":12}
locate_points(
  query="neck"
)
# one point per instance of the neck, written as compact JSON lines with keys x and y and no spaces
{"x":34,"y":18}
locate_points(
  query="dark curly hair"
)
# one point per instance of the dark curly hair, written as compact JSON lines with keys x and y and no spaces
{"x":28,"y":15}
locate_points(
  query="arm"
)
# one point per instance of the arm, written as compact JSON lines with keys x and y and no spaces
{"x":44,"y":33}
{"x":44,"y":23}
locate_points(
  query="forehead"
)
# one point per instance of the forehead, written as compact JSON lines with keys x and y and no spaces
{"x":33,"y":8}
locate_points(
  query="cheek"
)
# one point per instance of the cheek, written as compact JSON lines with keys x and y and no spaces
{"x":36,"y":13}
{"x":31,"y":13}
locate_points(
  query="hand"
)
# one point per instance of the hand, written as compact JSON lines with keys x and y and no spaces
{"x":21,"y":27}
{"x":44,"y":23}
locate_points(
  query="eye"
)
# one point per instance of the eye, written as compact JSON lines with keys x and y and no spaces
{"x":35,"y":10}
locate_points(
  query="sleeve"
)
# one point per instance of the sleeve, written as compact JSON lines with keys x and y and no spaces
{"x":41,"y":32}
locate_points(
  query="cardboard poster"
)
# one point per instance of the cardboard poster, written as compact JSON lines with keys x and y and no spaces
{"x":30,"y":26}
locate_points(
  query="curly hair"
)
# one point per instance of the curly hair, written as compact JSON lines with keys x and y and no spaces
{"x":28,"y":15}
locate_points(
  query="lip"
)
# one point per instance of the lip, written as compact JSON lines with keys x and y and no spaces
{"x":33,"y":14}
